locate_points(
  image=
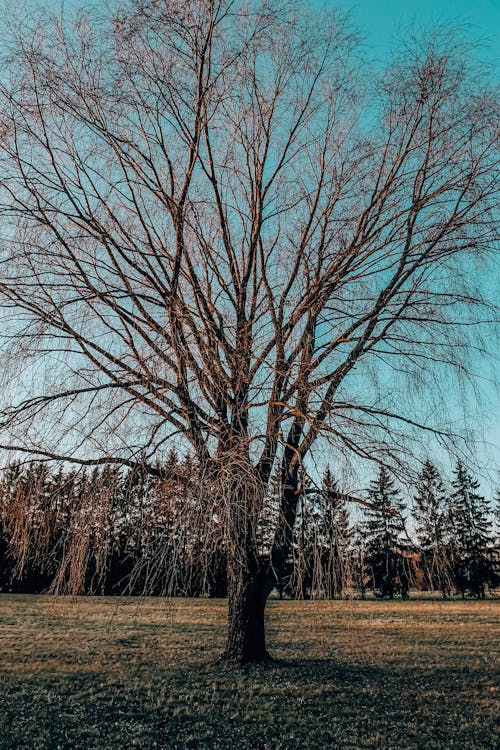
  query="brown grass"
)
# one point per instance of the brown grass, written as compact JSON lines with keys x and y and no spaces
{"x":105,"y":674}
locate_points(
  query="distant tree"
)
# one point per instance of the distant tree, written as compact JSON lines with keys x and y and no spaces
{"x":358,"y":558}
{"x":320,"y":562}
{"x":472,"y":534}
{"x":384,"y":526}
{"x":336,"y":536}
{"x":304,"y":549}
{"x":495,"y":548}
{"x":107,"y":531}
{"x":30,"y":526}
{"x":24,"y":495}
{"x":9,"y":476}
{"x":432,"y":525}
{"x":496,"y":518}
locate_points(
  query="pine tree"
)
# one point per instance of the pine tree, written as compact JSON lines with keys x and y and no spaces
{"x":495,"y":547}
{"x":472,"y":534}
{"x":432,"y":525}
{"x":383,"y":528}
{"x":358,"y":558}
{"x":303,"y":574}
{"x":336,"y":533}
{"x":321,"y":542}
{"x":496,"y":519}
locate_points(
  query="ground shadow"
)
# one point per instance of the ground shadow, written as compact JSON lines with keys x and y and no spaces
{"x":285,"y":704}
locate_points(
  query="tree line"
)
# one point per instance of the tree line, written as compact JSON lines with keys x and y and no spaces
{"x":115,"y":531}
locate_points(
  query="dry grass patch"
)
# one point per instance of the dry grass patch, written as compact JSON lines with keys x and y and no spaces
{"x":102,"y":674}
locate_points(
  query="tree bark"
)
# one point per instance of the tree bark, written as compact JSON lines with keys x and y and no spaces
{"x":251,"y":580}
{"x":248,"y":583}
{"x":247,"y":594}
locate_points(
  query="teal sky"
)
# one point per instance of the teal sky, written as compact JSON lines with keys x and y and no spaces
{"x":381,"y":22}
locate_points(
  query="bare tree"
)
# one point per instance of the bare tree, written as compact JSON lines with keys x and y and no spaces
{"x":213,"y":233}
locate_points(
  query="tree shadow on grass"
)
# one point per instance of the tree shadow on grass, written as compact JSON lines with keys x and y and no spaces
{"x":283,"y":705}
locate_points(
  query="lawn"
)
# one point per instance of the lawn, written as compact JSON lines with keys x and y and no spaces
{"x":96,"y":674}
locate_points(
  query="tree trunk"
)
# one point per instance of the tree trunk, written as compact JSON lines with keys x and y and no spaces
{"x":250,"y":579}
{"x":247,"y":582}
{"x":247,"y":594}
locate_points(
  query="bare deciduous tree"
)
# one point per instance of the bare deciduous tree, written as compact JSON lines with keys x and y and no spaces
{"x":213,"y":233}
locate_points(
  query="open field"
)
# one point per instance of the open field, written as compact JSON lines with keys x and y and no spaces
{"x":95,"y":674}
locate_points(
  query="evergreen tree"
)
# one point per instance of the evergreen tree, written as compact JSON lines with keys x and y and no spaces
{"x":26,"y":510}
{"x":384,"y":525}
{"x":305,"y":543}
{"x":335,"y":555}
{"x":495,"y":547}
{"x":321,"y":542}
{"x":432,"y":524}
{"x":472,"y":534}
{"x":358,"y":558}
{"x":496,"y":520}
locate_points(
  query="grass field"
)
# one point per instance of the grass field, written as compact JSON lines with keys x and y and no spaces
{"x":95,"y":674}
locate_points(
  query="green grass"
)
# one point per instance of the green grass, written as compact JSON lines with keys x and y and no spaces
{"x":107,"y":674}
